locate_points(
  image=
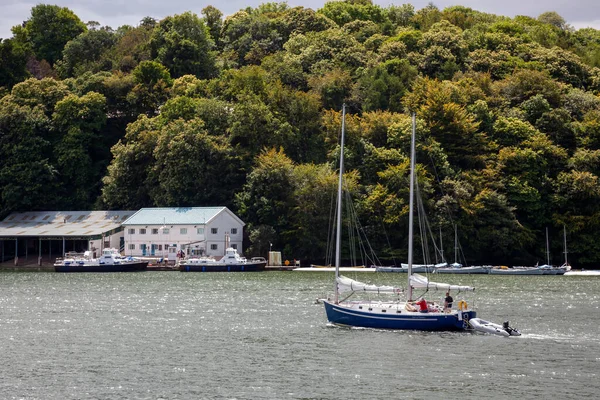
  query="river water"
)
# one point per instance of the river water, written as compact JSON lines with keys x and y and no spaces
{"x":170,"y":335}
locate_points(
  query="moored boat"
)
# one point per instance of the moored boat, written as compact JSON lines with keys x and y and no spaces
{"x":231,"y":262}
{"x":110,"y":261}
{"x":503,"y":270}
{"x":481,"y":269}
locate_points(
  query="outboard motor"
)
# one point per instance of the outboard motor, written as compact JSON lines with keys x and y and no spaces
{"x":511,"y":331}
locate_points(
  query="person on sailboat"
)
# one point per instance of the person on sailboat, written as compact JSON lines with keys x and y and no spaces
{"x":423,"y":307}
{"x":448,"y":302}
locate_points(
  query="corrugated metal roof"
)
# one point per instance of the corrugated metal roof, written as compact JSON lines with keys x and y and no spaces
{"x":62,"y":223}
{"x":176,"y":215}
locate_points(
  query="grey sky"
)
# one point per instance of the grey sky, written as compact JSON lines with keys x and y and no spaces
{"x":114,"y":13}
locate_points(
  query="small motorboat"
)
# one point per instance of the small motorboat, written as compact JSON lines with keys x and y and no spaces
{"x":481,"y":325}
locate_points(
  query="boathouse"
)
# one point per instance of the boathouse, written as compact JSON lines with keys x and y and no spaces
{"x":166,"y":232}
{"x":42,"y":236}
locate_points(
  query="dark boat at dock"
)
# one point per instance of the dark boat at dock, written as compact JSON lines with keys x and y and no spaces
{"x":231,"y":262}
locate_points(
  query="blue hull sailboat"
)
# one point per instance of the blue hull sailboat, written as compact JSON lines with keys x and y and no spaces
{"x":393,"y":313}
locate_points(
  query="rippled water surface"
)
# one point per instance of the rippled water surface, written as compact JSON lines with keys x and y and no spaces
{"x":171,"y":335}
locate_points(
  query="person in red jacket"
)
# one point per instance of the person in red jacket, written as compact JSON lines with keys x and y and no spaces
{"x":422,"y":305}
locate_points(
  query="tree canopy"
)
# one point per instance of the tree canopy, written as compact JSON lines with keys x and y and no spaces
{"x":245,"y":111}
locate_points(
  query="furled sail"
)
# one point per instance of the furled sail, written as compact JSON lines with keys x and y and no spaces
{"x":419,"y":281}
{"x":350,"y":285}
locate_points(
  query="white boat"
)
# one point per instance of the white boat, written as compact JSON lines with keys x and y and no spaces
{"x":111,"y":260}
{"x":503,"y":270}
{"x":332,"y":269}
{"x":391,"y":312}
{"x":416,"y":268}
{"x":481,"y":269}
{"x":484,"y":326}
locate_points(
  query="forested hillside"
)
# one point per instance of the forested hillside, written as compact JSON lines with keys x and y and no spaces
{"x":244,"y":111}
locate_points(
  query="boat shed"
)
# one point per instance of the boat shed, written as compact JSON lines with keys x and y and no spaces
{"x":42,"y":236}
{"x":168,"y":231}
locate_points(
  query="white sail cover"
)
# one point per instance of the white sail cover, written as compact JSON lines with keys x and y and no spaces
{"x":350,"y":285}
{"x":419,"y":281}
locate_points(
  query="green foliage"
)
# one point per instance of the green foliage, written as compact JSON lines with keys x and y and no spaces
{"x":193,"y":167}
{"x":152,"y":81}
{"x":49,"y":29}
{"x":267,"y":197}
{"x":249,"y":37}
{"x":245,"y":112}
{"x":183,"y":44}
{"x":84,"y":53}
{"x":383,"y":86}
{"x":343,"y":12}
{"x":12,"y":63}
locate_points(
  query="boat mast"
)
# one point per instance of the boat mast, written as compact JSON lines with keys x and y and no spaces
{"x":547,"y":248}
{"x":565,"y":240}
{"x":441,"y":246}
{"x":338,"y":234}
{"x":455,"y":245}
{"x":410,"y":208}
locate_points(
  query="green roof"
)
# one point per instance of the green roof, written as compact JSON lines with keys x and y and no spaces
{"x":177,"y":215}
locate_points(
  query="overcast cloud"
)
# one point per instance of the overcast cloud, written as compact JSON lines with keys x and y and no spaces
{"x":114,"y":13}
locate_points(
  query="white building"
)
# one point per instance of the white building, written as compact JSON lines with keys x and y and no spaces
{"x":162,"y":232}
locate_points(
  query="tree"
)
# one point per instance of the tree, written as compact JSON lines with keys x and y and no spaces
{"x":152,"y":82}
{"x":214,"y":22}
{"x":383,"y":86}
{"x":254,"y":127}
{"x":554,"y":19}
{"x":49,"y":29}
{"x":85,"y":53}
{"x":183,"y":44}
{"x":193,"y":167}
{"x":133,"y":159}
{"x":343,"y":12}
{"x":27,"y":175}
{"x":13,"y":58}
{"x":80,"y":156}
{"x":266,"y":199}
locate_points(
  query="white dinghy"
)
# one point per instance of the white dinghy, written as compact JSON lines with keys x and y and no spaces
{"x":481,"y":325}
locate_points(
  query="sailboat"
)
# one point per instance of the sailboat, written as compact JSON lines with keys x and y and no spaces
{"x":456,"y":267}
{"x":549,"y":269}
{"x":394,"y":313}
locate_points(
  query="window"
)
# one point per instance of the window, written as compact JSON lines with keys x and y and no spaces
{"x":132,"y":247}
{"x":200,"y":231}
{"x":165,"y":230}
{"x":214,"y":231}
{"x":132,"y":231}
{"x":234,"y":231}
{"x":160,"y":247}
{"x":234,"y":246}
{"x":142,"y":231}
{"x":214,"y":247}
{"x":166,"y":246}
{"x":154,"y":231}
{"x":183,"y":231}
